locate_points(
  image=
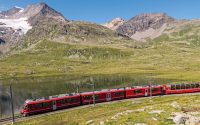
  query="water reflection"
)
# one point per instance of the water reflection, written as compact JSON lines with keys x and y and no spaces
{"x":31,"y":88}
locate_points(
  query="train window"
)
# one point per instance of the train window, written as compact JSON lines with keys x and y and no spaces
{"x":62,"y":101}
{"x":182,"y":86}
{"x":40,"y":105}
{"x":154,"y":89}
{"x":46,"y":104}
{"x":192,"y":85}
{"x":119,"y":93}
{"x":72,"y":100}
{"x":178,"y":86}
{"x":96,"y":97}
{"x":26,"y":107}
{"x":187,"y":86}
{"x":173,"y":87}
{"x":32,"y":106}
{"x":58,"y":101}
{"x":88,"y":97}
{"x":29,"y":107}
{"x":54,"y":102}
{"x":196,"y":85}
{"x":66,"y":100}
{"x":137,"y":91}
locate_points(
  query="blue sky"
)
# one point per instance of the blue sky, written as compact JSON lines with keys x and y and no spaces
{"x":101,"y":11}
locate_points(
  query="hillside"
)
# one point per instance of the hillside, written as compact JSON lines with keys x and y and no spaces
{"x":161,"y":57}
{"x":62,"y":47}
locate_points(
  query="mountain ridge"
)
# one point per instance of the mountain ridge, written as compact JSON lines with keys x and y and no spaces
{"x":115,"y":23}
{"x":16,"y":22}
{"x":39,"y":21}
{"x":143,"y":22}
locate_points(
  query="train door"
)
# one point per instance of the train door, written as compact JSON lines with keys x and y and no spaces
{"x":108,"y":96}
{"x":54,"y":105}
{"x":146,"y":92}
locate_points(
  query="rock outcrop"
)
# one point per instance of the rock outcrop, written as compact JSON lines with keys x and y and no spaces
{"x":115,"y":23}
{"x":143,"y":22}
{"x":141,"y":26}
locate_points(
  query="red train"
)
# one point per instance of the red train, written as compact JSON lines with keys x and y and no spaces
{"x":32,"y":107}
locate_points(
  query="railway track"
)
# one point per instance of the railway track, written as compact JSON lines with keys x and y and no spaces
{"x":19,"y":118}
{"x":10,"y":119}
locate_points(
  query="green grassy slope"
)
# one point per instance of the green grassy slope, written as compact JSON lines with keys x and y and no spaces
{"x":47,"y":58}
{"x":89,"y":49}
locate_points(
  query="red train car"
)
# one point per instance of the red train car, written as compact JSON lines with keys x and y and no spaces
{"x":181,"y":88}
{"x":156,"y":90}
{"x":52,"y":103}
{"x":87,"y":97}
{"x":133,"y":92}
{"x":65,"y":101}
{"x":117,"y":94}
{"x":38,"y":106}
{"x":103,"y":96}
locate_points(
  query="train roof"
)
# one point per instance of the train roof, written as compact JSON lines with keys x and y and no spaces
{"x":133,"y":87}
{"x":51,"y":98}
{"x":103,"y":90}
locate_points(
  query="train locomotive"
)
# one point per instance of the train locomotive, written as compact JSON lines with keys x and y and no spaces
{"x":63,"y":101}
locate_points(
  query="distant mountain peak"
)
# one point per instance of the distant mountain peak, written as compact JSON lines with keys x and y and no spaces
{"x":152,"y":16}
{"x":19,"y":7}
{"x":143,"y":22}
{"x":16,"y":22}
{"x":38,"y":11}
{"x":115,"y":23}
{"x":11,"y":12}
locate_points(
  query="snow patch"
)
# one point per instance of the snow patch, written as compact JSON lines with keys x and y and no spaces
{"x":16,"y":24}
{"x":21,"y":11}
{"x":19,"y":7}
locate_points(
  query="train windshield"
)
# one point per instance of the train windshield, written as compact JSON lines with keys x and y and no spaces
{"x":25,"y":107}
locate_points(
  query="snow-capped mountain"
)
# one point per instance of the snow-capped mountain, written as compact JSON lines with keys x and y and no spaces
{"x":16,"y":22}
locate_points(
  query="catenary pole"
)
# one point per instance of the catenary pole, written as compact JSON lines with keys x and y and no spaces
{"x":93,"y":96}
{"x":12,"y":106}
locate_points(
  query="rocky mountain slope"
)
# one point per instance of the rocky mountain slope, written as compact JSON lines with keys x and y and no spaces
{"x":38,"y":22}
{"x":115,"y":23}
{"x":16,"y":22}
{"x":144,"y":26}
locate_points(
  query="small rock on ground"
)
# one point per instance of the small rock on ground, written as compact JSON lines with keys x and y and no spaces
{"x":89,"y":122}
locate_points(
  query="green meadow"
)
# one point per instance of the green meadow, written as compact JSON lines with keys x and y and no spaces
{"x":48,"y":58}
